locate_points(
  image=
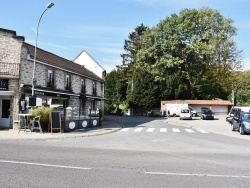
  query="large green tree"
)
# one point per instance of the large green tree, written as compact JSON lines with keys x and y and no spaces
{"x":143,"y":90}
{"x":115,"y":90}
{"x":198,"y":42}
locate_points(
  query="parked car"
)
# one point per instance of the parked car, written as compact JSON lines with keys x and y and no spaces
{"x":155,"y":113}
{"x":206,"y":113}
{"x":233,"y":110}
{"x":193,"y":112}
{"x":229,"y":119}
{"x":185,"y":114}
{"x":241,"y":122}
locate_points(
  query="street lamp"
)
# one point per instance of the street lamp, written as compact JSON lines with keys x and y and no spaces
{"x":34,"y":66}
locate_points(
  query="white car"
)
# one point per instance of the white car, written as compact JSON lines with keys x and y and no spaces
{"x":185,"y":114}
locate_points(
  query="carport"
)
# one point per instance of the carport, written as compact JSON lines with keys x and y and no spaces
{"x":218,"y":106}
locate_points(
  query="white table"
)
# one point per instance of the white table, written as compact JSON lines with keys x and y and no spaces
{"x":23,"y":122}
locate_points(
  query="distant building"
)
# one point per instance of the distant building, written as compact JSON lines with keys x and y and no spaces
{"x":89,"y":63}
{"x":218,"y":106}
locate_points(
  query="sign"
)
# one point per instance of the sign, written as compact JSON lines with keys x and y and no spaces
{"x":32,"y":101}
{"x":55,"y":122}
{"x":4,"y":84}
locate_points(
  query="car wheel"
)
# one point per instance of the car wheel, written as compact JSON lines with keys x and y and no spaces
{"x":232,"y":127}
{"x":180,"y":118}
{"x":241,"y":130}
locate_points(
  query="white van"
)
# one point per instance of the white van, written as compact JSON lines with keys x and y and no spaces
{"x":185,"y":114}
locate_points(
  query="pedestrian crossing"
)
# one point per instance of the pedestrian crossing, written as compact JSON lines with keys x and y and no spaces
{"x":161,"y":130}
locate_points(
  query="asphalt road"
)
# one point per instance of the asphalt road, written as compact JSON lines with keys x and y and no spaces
{"x":147,"y":152}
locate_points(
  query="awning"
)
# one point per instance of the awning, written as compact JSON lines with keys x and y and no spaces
{"x":91,"y":97}
{"x":51,"y":93}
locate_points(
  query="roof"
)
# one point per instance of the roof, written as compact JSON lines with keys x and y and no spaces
{"x":214,"y":102}
{"x":54,"y":60}
{"x":13,"y":33}
{"x":84,"y":51}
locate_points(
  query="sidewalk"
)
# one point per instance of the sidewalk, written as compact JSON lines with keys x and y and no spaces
{"x":108,"y":126}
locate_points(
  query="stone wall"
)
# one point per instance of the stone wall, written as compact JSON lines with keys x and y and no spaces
{"x":10,"y":48}
{"x":10,"y":52}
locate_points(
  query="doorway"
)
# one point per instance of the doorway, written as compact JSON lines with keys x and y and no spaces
{"x":4,"y":113}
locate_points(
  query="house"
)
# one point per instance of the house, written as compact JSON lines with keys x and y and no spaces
{"x":89,"y":63}
{"x":218,"y":106}
{"x":56,"y":78}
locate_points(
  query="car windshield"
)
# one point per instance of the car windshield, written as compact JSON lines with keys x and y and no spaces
{"x":246,"y":116}
{"x":207,"y":111}
{"x":185,"y":111}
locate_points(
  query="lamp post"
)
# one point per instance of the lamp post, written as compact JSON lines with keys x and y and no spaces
{"x":34,"y":66}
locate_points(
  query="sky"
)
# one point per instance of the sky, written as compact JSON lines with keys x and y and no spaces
{"x":100,"y":27}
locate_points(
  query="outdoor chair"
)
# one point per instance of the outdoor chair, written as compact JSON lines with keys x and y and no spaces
{"x":35,"y":124}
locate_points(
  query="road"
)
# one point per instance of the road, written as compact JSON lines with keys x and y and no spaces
{"x":146,"y":152}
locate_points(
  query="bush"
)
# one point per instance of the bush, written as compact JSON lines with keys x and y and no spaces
{"x":44,"y":113}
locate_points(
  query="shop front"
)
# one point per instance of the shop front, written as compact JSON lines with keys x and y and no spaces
{"x":6,"y":99}
{"x":77,"y":111}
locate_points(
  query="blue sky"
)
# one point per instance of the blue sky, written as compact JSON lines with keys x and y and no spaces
{"x":101,"y":26}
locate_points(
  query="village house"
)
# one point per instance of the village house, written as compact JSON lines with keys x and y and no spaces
{"x":56,"y":78}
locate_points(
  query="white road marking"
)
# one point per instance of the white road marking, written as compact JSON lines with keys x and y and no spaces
{"x":125,"y":129}
{"x":201,"y":175}
{"x":150,"y":130}
{"x":163,"y":130}
{"x":202,"y":131}
{"x":47,"y":165}
{"x":189,"y":130}
{"x":175,"y":130}
{"x":139,"y":129}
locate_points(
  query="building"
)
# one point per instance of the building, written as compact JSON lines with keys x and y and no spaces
{"x":218,"y":106}
{"x":89,"y":63}
{"x":56,"y":78}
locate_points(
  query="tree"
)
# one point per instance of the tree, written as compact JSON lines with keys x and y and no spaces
{"x":143,"y":90}
{"x":132,"y":44}
{"x":242,"y":89}
{"x":115,"y":90}
{"x":198,"y":42}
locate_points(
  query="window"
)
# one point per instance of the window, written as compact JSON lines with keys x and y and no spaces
{"x":50,"y":79}
{"x":102,"y":85}
{"x":94,"y":88}
{"x":83,"y":90}
{"x":68,"y":82}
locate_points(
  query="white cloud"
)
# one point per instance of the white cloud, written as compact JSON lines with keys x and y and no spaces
{"x":111,"y":50}
{"x":94,"y":31}
{"x":109,"y":64}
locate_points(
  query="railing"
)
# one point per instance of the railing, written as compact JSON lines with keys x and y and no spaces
{"x":9,"y":69}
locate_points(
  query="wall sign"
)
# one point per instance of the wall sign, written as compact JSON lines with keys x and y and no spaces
{"x":4,"y":84}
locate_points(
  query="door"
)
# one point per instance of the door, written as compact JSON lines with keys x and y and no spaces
{"x":5,"y":113}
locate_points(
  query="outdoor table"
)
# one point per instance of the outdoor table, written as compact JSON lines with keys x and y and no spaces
{"x":23,"y":122}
